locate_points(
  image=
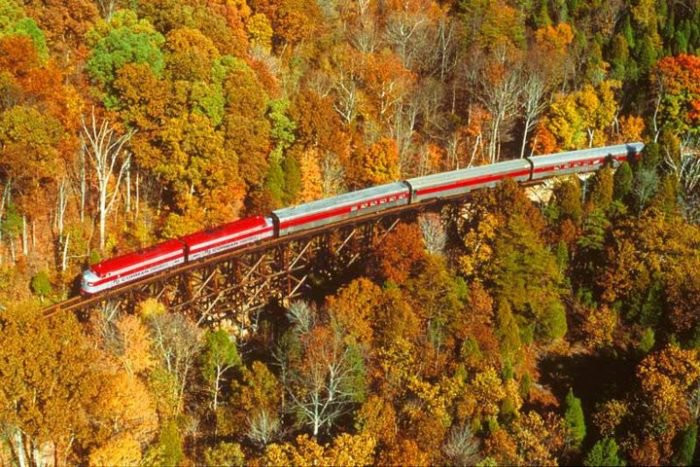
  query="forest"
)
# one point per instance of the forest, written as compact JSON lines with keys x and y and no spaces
{"x":503,"y":331}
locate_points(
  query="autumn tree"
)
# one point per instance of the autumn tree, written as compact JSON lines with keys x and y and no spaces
{"x":293,"y":21}
{"x":176,"y":344}
{"x":135,"y":345}
{"x":190,"y":55}
{"x":678,"y":95}
{"x":323,"y":385}
{"x":257,"y":402}
{"x":17,"y":23}
{"x":376,"y":164}
{"x":246,"y":127}
{"x":125,"y":414}
{"x":30,"y":145}
{"x":582,"y":118}
{"x":353,"y":308}
{"x":124,"y":39}
{"x":400,"y":253}
{"x":220,"y":355}
{"x":109,"y":160}
{"x":201,"y":172}
{"x":66,"y":24}
{"x":47,"y":405}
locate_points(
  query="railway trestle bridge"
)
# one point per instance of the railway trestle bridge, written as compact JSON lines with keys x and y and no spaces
{"x":230,"y":288}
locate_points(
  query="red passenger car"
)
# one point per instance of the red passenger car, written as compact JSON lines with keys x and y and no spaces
{"x":227,"y":236}
{"x":126,"y":268}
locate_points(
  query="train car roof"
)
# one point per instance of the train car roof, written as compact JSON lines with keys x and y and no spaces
{"x":340,"y":200}
{"x":629,"y":148}
{"x":462,"y":174}
{"x":137,"y":257}
{"x":239,"y":226}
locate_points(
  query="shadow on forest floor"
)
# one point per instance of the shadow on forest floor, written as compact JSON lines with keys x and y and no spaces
{"x":594,"y":378}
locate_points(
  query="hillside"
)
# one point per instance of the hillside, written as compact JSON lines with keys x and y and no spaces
{"x":504,"y":331}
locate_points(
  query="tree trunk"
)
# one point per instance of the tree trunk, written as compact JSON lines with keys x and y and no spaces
{"x":61,"y":209}
{"x":495,"y":125}
{"x":25,"y":245}
{"x":524,"y":142}
{"x":103,"y":215}
{"x":128,"y":189}
{"x":216,"y":387}
{"x":64,"y":259}
{"x":12,"y":250}
{"x":138,"y":192}
{"x":19,"y":449}
{"x":83,"y":182}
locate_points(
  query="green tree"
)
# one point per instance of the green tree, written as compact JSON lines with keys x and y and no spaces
{"x":552,"y":325}
{"x":575,"y":422}
{"x":507,"y":329}
{"x":591,"y":243}
{"x":41,"y":285}
{"x":225,"y":454}
{"x":602,"y":189}
{"x":686,"y":446}
{"x":292,"y":178}
{"x":568,"y":196}
{"x":646,"y":182}
{"x":604,"y":452}
{"x":526,"y":274}
{"x":170,"y":444}
{"x":623,"y":181}
{"x":220,"y":355}
{"x":124,"y":39}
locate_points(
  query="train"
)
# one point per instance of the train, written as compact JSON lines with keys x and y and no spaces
{"x":288,"y":221}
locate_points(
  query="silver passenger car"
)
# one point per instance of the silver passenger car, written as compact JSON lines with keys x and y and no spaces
{"x":459,"y":182}
{"x":584,"y":160}
{"x":341,"y":207}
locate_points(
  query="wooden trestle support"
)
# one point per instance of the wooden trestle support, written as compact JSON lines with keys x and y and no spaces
{"x":231,"y":289}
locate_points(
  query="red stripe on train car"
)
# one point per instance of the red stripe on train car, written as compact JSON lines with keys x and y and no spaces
{"x":137,"y":257}
{"x":342,"y":210}
{"x":472,"y":181}
{"x":134,"y":271}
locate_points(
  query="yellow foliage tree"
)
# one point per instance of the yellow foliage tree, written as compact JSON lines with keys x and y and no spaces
{"x":353,"y":308}
{"x":580,"y":119}
{"x":599,"y":326}
{"x":666,"y":377}
{"x":345,"y":450}
{"x":377,"y":164}
{"x":136,"y":342}
{"x":260,"y":31}
{"x":120,"y":450}
{"x":631,"y":129}
{"x":311,"y":180}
